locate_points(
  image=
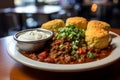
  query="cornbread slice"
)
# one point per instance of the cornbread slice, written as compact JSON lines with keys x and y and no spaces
{"x":79,"y":22}
{"x":53,"y":24}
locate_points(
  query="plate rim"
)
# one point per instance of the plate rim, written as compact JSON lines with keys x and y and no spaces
{"x":17,"y":56}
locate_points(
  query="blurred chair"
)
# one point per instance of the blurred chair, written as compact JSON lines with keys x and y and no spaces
{"x":3,"y":26}
{"x":7,"y":20}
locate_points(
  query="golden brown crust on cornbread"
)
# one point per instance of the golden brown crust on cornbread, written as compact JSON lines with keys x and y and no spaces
{"x":53,"y":24}
{"x":79,"y":22}
{"x":97,"y":38}
{"x":98,"y":24}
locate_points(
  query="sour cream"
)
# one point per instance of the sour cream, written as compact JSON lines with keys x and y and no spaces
{"x":33,"y":35}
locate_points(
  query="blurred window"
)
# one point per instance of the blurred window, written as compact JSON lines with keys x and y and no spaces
{"x":33,"y":2}
{"x":24,"y":2}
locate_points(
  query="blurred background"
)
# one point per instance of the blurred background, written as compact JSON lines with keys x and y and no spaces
{"x":16,"y":15}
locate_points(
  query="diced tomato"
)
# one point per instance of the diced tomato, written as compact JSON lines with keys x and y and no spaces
{"x":80,"y":50}
{"x":42,"y":56}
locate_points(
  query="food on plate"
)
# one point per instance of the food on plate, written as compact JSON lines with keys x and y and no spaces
{"x":32,"y":35}
{"x":97,"y":38}
{"x":98,"y":24}
{"x":53,"y":24}
{"x":73,"y":43}
{"x":66,"y":42}
{"x":97,"y":34}
{"x":79,"y":22}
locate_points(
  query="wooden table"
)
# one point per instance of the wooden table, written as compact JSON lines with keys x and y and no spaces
{"x":12,"y":70}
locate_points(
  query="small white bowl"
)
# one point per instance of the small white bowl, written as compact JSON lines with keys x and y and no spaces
{"x":32,"y":45}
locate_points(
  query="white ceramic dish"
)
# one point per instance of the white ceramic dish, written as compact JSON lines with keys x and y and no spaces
{"x":115,"y":55}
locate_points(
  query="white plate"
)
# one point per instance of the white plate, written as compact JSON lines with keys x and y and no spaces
{"x":115,"y":55}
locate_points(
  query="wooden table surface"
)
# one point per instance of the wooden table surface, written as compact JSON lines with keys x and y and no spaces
{"x":12,"y":70}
